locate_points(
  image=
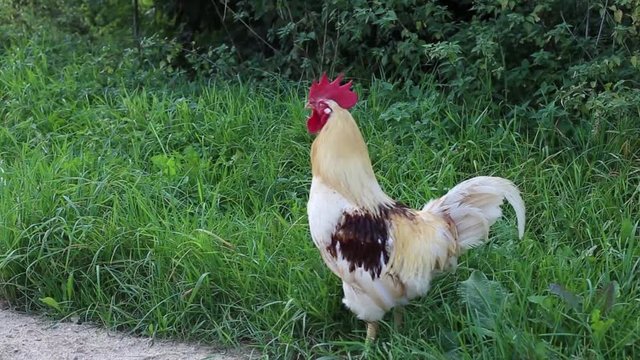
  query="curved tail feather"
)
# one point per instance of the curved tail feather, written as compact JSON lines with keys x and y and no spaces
{"x":474,"y":205}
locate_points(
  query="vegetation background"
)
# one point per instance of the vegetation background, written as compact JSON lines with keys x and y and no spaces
{"x":154,"y":167}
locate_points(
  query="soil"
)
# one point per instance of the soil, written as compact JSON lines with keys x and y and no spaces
{"x":28,"y":337}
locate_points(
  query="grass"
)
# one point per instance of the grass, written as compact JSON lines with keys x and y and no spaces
{"x":170,"y":208}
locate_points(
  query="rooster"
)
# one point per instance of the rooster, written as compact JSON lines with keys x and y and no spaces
{"x":384,"y":252}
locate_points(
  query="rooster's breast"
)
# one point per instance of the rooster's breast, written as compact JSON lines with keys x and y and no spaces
{"x":325,"y":210}
{"x":356,"y":245}
{"x":353,"y":239}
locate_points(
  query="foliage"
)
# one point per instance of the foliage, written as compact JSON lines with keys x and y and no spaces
{"x":557,"y":63}
{"x":525,"y":52}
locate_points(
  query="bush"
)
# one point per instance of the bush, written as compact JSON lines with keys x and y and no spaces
{"x":498,"y":42}
{"x":555,"y":63}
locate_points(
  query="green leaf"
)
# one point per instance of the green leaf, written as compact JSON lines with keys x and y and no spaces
{"x":169,"y":165}
{"x":69,"y":287}
{"x":197,"y":287}
{"x":485,"y":299}
{"x":599,"y":327}
{"x":627,"y":229}
{"x":607,"y":296}
{"x":52,"y":303}
{"x":570,"y":298}
{"x":537,"y":299}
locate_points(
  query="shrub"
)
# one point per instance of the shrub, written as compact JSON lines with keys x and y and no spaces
{"x":492,"y":41}
{"x":557,"y":63}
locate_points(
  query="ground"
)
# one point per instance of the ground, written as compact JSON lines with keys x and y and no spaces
{"x":24,"y":336}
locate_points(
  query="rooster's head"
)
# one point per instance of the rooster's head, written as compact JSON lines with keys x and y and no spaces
{"x":323,"y":91}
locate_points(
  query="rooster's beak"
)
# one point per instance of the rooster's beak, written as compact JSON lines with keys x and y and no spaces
{"x":307,"y":105}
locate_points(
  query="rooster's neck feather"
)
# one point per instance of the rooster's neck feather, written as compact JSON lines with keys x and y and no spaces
{"x":340,"y":158}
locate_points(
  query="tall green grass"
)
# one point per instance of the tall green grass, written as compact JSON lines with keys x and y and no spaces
{"x":171,"y":208}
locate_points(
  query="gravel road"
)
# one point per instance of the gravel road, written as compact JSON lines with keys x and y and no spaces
{"x":28,"y":337}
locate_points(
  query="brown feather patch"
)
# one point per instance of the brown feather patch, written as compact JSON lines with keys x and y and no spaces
{"x":361,"y":238}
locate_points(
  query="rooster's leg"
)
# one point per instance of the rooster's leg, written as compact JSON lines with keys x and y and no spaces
{"x":372,"y":331}
{"x":398,"y":316}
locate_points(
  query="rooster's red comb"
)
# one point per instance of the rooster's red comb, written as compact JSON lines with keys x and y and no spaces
{"x":325,"y":90}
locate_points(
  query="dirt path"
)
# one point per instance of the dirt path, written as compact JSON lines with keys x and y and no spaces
{"x":27,"y":337}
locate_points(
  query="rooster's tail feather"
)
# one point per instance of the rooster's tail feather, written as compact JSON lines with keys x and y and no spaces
{"x":474,"y":205}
